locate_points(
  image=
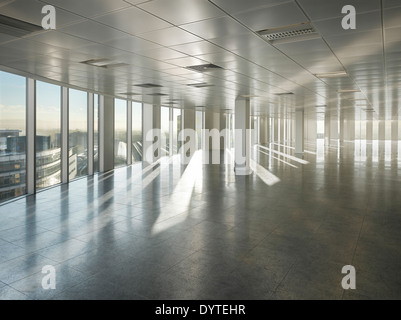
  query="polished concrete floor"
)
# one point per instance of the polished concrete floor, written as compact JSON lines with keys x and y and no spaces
{"x":199,"y":232}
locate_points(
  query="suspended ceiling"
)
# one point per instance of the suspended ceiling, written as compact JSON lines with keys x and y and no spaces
{"x":153,"y":42}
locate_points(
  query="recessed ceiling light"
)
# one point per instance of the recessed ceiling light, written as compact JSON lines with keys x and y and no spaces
{"x":331,"y":74}
{"x":283,"y":93}
{"x":348,"y":90}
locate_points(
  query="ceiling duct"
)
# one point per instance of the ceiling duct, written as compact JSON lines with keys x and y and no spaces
{"x":17,"y":28}
{"x":290,"y":33}
{"x":204,"y":67}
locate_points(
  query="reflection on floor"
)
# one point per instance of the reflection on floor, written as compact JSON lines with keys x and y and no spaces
{"x":200,"y":232}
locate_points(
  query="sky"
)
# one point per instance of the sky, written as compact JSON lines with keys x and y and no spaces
{"x":48,"y":96}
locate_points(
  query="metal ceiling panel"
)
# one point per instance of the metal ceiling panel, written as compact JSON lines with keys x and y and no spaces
{"x":272,"y":17}
{"x":182,"y":11}
{"x":170,"y":37}
{"x":215,"y":28}
{"x":93,"y":31}
{"x":133,"y":21}
{"x":88,"y":8}
{"x":320,"y":10}
{"x":31,"y":11}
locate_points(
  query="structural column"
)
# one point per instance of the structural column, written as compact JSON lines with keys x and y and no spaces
{"x":129,"y":132}
{"x":30,"y":136}
{"x":65,"y":145}
{"x":106,"y":133}
{"x":299,"y":131}
{"x":147,"y":126}
{"x":242,"y":137}
{"x":156,"y":120}
{"x":91,"y":128}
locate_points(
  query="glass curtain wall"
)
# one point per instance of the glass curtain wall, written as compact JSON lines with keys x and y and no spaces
{"x":165,"y":130}
{"x":177,"y":125}
{"x":78,"y":134}
{"x":48,"y":134}
{"x":120,"y":132}
{"x":136,"y":132}
{"x":12,"y":136}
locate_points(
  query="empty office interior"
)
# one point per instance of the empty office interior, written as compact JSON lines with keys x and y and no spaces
{"x":194,"y":149}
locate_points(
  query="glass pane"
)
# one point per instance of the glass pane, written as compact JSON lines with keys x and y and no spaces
{"x":96,"y":133}
{"x":48,"y":135}
{"x":120,"y":133}
{"x":165,"y":129}
{"x":12,"y":135}
{"x":176,"y":130}
{"x":199,"y":127}
{"x":78,"y":133}
{"x":136,"y":132}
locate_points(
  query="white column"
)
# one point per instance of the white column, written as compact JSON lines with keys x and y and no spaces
{"x":156,"y":119}
{"x":30,"y":136}
{"x":299,"y":131}
{"x":65,"y":145}
{"x":129,"y":132}
{"x":147,"y":126}
{"x":91,"y":127}
{"x":106,"y":133}
{"x":242,"y":137}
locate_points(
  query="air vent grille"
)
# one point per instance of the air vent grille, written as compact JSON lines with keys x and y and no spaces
{"x":204,"y":67}
{"x":104,"y":63}
{"x":295,"y":32}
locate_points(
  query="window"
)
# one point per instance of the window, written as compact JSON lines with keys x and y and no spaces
{"x":120,"y":133}
{"x":48,"y":135}
{"x":12,"y":135}
{"x":176,"y":131}
{"x":136,"y":132}
{"x":78,"y":134}
{"x":96,"y":133}
{"x":198,"y":127}
{"x":165,"y":130}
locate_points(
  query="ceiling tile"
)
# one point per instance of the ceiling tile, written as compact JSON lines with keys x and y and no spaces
{"x":272,"y":17}
{"x":391,"y":17}
{"x":182,"y":11}
{"x":132,"y":44}
{"x":231,"y":6}
{"x":170,"y":36}
{"x":317,"y":9}
{"x":59,"y":39}
{"x":93,"y":31}
{"x":89,"y":8}
{"x":215,"y":28}
{"x":365,"y":22}
{"x":31,"y":11}
{"x":196,"y":48}
{"x":133,"y":20}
